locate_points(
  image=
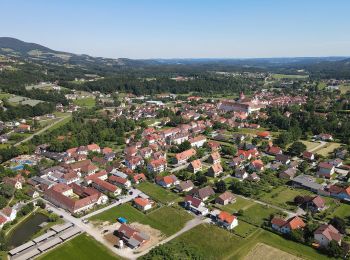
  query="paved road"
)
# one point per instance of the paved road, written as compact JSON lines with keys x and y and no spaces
{"x":42,"y":130}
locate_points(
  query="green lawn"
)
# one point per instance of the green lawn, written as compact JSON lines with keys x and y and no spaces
{"x":166,"y":219}
{"x":240,"y":203}
{"x":80,"y":247}
{"x":342,"y":211}
{"x":257,"y":214}
{"x":61,"y":123}
{"x":216,"y":243}
{"x":244,"y":229}
{"x":283,"y":197}
{"x":157,"y":193}
{"x":85,"y":102}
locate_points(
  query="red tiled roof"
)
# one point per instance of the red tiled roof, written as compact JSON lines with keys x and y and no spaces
{"x":226,"y":217}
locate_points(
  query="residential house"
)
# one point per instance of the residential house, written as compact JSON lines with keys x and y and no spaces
{"x":157,"y":165}
{"x":167,"y":181}
{"x":325,"y":170}
{"x":253,"y":177}
{"x":137,"y":178}
{"x":226,"y":220}
{"x":119,"y":181}
{"x":256,"y":165}
{"x":339,"y":192}
{"x":308,"y":156}
{"x":181,"y":158}
{"x":286,"y":226}
{"x":203,"y":193}
{"x":196,"y":205}
{"x":198,"y":141}
{"x":284,"y":159}
{"x":313,"y":203}
{"x":215,"y":170}
{"x":184,"y":186}
{"x":143,"y":204}
{"x":288,"y":174}
{"x":195,"y":166}
{"x":225,"y":198}
{"x":327,"y":233}
{"x":105,"y":187}
{"x":214,"y":158}
{"x":133,"y":162}
{"x":241,"y":173}
{"x":274,"y":150}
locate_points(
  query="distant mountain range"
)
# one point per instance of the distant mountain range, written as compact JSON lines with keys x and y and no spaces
{"x":12,"y":47}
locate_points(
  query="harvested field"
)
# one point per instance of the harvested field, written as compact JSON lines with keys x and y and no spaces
{"x":264,"y":252}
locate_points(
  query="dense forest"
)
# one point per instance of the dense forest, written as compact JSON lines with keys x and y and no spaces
{"x":206,"y":84}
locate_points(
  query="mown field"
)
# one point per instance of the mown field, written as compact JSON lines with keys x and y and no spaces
{"x":80,"y":247}
{"x":166,"y":219}
{"x":85,"y":102}
{"x":327,"y":149}
{"x":283,"y":197}
{"x":217,"y":243}
{"x":286,"y":76}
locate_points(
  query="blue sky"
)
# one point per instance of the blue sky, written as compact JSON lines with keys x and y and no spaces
{"x":182,"y":28}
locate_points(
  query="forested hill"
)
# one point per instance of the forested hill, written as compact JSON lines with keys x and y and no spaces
{"x":319,"y":67}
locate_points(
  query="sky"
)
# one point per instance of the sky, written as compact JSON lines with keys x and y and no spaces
{"x":182,"y":28}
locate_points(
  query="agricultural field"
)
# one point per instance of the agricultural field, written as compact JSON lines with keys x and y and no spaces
{"x":80,"y":247}
{"x":158,"y":219}
{"x":265,"y":252}
{"x":157,"y":193}
{"x":85,"y":102}
{"x":327,"y":149}
{"x":217,"y":243}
